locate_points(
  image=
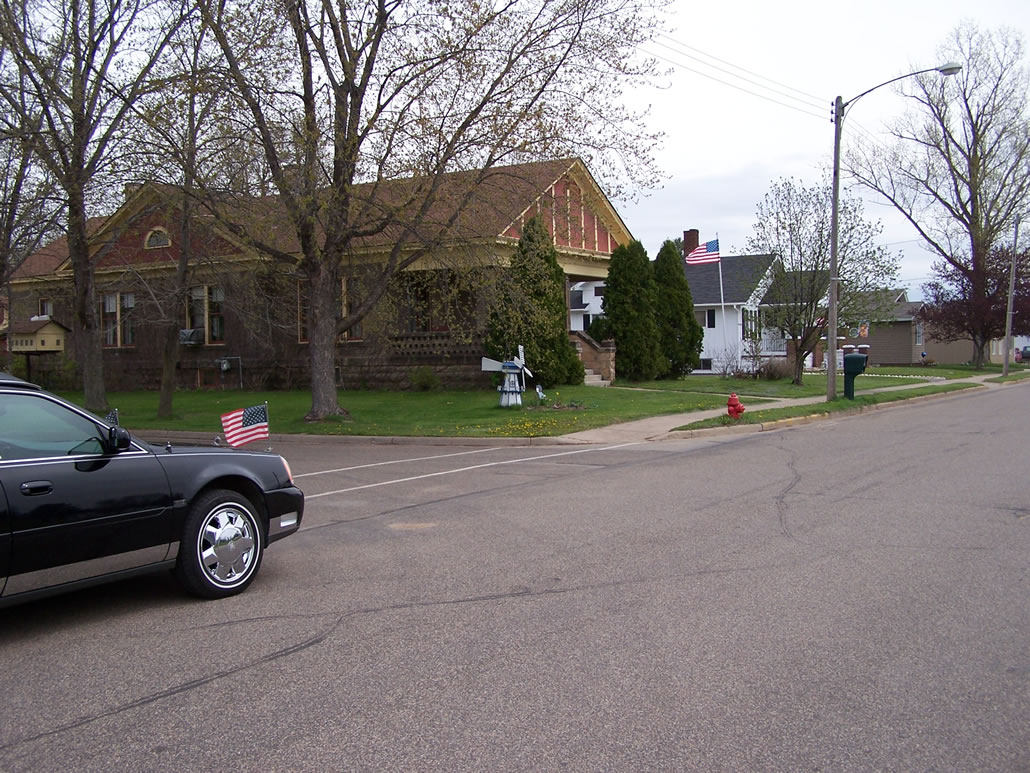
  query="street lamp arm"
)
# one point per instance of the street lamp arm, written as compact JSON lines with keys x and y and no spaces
{"x":940,"y":69}
{"x":951,"y":68}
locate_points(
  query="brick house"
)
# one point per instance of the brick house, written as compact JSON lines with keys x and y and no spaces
{"x":244,"y":319}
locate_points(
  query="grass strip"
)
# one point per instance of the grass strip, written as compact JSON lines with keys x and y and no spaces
{"x":818,"y":409}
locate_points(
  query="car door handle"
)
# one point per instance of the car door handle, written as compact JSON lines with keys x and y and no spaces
{"x":33,"y":488}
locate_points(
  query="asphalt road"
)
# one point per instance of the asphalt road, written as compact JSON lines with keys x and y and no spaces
{"x":850,"y":594}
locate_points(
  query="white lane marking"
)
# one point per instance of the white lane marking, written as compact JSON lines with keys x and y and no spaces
{"x":395,"y":461}
{"x":466,"y":469}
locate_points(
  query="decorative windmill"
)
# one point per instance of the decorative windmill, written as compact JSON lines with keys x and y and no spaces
{"x":513,"y":387}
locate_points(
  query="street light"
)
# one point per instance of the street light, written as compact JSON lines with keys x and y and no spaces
{"x":1008,"y":309}
{"x":839,"y":105}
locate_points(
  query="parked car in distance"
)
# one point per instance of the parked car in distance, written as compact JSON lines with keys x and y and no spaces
{"x":84,"y":502}
{"x":1024,"y":355}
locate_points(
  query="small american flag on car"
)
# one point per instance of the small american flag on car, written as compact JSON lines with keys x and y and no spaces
{"x":245,"y":425}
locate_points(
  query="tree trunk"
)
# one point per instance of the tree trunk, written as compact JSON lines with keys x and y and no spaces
{"x":980,"y":357}
{"x":325,"y":307}
{"x":169,"y":359}
{"x":86,"y":317}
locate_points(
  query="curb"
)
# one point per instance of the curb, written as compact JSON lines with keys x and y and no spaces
{"x":768,"y":426}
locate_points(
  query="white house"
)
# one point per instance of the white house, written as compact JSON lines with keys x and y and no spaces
{"x":727,"y":296}
{"x":585,"y":304}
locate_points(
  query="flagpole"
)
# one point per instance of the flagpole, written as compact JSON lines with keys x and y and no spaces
{"x":268,"y":421}
{"x":722,"y":301}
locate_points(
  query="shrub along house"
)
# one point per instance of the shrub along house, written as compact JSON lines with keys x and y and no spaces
{"x":242,"y":318}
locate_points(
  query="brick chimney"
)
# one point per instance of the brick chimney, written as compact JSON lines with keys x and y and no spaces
{"x":690,"y":241}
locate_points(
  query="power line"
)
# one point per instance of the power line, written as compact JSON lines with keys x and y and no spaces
{"x":815,"y":99}
{"x":808,"y":100}
{"x":733,"y":86}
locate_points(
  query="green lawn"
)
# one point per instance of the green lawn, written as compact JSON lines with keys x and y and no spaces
{"x":477,"y":413}
{"x":814,"y":384}
{"x":423,"y":414}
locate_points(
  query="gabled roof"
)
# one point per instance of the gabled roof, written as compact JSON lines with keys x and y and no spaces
{"x":894,"y":304}
{"x":493,"y":209}
{"x":490,"y":208}
{"x":47,"y":258}
{"x":34,"y":325}
{"x":741,"y":274}
{"x":790,"y":285}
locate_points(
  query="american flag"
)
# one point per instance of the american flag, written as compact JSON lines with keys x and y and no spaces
{"x":706,"y":252}
{"x":246,"y":424}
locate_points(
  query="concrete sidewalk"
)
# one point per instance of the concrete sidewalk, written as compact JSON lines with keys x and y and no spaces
{"x":663,"y":427}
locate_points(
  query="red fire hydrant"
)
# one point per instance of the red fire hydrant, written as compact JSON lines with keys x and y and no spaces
{"x":734,"y":407}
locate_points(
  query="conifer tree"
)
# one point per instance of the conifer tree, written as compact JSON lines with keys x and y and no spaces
{"x":629,"y":303}
{"x":530,"y":310}
{"x":679,"y":333}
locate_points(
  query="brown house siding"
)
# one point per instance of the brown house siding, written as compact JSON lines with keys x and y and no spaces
{"x":891,"y":343}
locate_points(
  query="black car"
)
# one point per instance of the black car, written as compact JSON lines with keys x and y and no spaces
{"x":83,"y":502}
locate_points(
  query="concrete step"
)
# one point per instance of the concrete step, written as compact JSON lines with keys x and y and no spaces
{"x":594,"y":379}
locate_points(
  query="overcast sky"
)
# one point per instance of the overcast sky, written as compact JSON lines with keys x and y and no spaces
{"x":725,"y":144}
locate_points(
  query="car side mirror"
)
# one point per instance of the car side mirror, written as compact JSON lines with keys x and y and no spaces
{"x":118,"y":439}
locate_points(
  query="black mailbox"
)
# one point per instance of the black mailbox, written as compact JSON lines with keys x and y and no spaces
{"x":853,"y":365}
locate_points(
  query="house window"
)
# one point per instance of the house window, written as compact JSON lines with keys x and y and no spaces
{"x":351,"y":302}
{"x":706,"y":364}
{"x":424,"y":306}
{"x":116,"y":319}
{"x":709,"y":318}
{"x":919,"y":334}
{"x":46,"y":307}
{"x":204,"y":311}
{"x":750,"y":328}
{"x":156,"y":239}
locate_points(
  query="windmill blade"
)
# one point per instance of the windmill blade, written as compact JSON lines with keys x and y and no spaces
{"x":527,"y":371}
{"x":491,"y":365}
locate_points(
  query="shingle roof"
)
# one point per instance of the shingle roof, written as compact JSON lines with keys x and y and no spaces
{"x":34,"y":326}
{"x":48,"y":257}
{"x":740,"y":275}
{"x":487,"y":208}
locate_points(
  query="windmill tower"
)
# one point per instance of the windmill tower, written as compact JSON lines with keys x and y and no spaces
{"x":515,"y":372}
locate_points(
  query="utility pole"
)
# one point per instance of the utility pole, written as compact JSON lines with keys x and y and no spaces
{"x":1008,"y":311}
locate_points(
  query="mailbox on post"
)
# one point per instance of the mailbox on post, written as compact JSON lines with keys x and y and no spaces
{"x":853,"y":365}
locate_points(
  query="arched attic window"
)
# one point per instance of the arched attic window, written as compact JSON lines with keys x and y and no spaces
{"x":157,"y":238}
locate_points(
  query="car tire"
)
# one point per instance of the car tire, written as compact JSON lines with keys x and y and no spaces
{"x":222,"y":545}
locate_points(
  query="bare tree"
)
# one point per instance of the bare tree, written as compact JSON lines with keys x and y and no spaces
{"x":29,"y":210}
{"x":793,"y":223}
{"x":184,"y":140}
{"x":373,"y":93}
{"x":82,"y":63}
{"x":958,"y":167}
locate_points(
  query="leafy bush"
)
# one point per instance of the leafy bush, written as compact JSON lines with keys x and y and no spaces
{"x":775,"y":369}
{"x":424,"y":379}
{"x":530,"y":310}
{"x":600,"y":329}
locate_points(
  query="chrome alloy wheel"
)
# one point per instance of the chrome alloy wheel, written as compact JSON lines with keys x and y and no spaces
{"x":227,"y":544}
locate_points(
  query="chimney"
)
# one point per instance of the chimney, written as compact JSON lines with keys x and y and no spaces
{"x":690,"y":241}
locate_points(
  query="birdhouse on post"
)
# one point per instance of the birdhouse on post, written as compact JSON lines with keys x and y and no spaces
{"x":515,"y":372}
